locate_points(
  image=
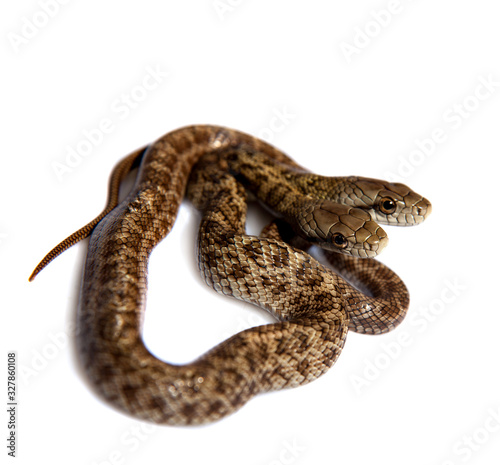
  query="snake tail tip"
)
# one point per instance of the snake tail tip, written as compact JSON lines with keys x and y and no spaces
{"x":33,"y":275}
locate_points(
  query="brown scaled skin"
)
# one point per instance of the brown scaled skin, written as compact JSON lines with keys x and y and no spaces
{"x":388,"y":203}
{"x":314,"y":306}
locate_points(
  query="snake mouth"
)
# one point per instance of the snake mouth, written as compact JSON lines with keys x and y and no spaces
{"x":421,"y":210}
{"x":369,"y":241}
{"x":414,"y":214}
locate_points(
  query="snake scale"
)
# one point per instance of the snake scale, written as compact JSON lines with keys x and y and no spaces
{"x":314,"y":304}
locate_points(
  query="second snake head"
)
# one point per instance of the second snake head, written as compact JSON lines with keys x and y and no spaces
{"x":341,"y":228}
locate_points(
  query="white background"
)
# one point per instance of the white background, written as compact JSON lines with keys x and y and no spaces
{"x":428,"y":393}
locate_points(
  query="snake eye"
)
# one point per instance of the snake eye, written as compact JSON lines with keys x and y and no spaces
{"x":387,"y":205}
{"x":339,"y":240}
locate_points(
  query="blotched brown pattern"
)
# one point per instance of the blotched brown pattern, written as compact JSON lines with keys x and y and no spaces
{"x":313,"y":305}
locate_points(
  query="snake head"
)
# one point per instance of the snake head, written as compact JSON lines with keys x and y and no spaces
{"x":341,"y":228}
{"x":391,"y":203}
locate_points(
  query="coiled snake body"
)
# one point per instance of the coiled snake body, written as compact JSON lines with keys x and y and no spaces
{"x":314,"y":306}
